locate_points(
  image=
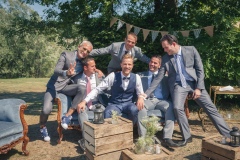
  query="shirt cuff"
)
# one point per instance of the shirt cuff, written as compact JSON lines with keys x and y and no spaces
{"x":65,"y":73}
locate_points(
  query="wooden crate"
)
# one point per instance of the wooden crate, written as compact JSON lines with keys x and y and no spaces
{"x":107,"y":156}
{"x":107,"y":137}
{"x":130,"y":155}
{"x":212,"y":149}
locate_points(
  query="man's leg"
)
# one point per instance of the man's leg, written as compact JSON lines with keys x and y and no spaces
{"x":205,"y":102}
{"x":178,"y":98}
{"x":78,"y":91}
{"x":131,"y":111}
{"x":46,"y":110}
{"x":110,"y":107}
{"x":167,"y":108}
{"x":141,"y":129}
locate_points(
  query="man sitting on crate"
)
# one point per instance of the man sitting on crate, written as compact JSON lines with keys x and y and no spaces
{"x":159,"y":100}
{"x":123,"y":86}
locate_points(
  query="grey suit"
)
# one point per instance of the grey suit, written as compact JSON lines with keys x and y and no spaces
{"x":58,"y":83}
{"x":116,"y":51}
{"x":162,"y":104}
{"x":194,"y":67}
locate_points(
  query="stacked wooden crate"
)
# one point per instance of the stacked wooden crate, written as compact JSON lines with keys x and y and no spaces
{"x":213,"y":149}
{"x":107,"y":140}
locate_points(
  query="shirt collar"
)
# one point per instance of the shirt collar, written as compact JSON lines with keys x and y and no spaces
{"x":85,"y":76}
{"x":180,"y":51}
{"x":150,"y":73}
{"x":123,"y":75}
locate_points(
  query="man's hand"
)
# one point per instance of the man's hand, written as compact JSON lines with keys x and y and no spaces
{"x":71,"y":70}
{"x":81,"y":106}
{"x":100,"y":73}
{"x":140,"y":103}
{"x":196,"y":94}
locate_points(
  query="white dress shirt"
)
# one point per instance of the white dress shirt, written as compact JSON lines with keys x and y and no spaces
{"x":108,"y":82}
{"x":158,"y":90}
{"x":83,"y":81}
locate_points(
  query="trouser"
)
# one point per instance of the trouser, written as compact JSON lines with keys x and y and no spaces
{"x":70,"y":90}
{"x":128,"y":108}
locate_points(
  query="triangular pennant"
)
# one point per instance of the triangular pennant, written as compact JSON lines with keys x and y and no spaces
{"x":175,"y":33}
{"x":209,"y":30}
{"x":154,"y":35}
{"x":120,"y":24}
{"x":163,"y":33}
{"x":113,"y":20}
{"x":237,"y":24}
{"x":128,"y":27}
{"x":136,"y":30}
{"x":145,"y":33}
{"x":196,"y":32}
{"x":185,"y":33}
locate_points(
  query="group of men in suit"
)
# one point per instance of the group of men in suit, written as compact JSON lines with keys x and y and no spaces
{"x":184,"y":71}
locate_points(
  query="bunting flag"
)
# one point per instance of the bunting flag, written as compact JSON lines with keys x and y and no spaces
{"x":120,"y":24}
{"x":113,"y":21}
{"x":154,"y":35}
{"x":237,"y":25}
{"x":145,"y":33}
{"x":175,"y":33}
{"x":196,"y":32}
{"x":209,"y":30}
{"x":163,"y":33}
{"x":128,"y":27}
{"x":185,"y":33}
{"x":136,"y":30}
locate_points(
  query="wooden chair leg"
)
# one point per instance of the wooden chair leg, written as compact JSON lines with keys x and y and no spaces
{"x":59,"y":128}
{"x":25,"y":130}
{"x":186,"y":109}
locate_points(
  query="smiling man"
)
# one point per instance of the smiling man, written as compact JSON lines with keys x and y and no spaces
{"x":69,"y":65}
{"x":123,"y":86}
{"x":118,"y":49}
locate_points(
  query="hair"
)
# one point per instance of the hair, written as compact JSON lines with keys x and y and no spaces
{"x":169,"y":38}
{"x":87,"y":43}
{"x":132,"y":34}
{"x":158,"y":57}
{"x":86,"y":60}
{"x":127,"y":56}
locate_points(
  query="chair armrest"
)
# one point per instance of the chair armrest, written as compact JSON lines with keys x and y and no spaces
{"x":10,"y":110}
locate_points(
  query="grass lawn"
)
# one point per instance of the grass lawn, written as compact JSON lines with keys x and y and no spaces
{"x":31,"y":90}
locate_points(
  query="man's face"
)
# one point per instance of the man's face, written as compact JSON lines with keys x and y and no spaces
{"x":83,"y":51}
{"x":154,"y":64}
{"x":90,"y":68}
{"x":127,"y":65}
{"x":170,"y":49}
{"x":130,"y":42}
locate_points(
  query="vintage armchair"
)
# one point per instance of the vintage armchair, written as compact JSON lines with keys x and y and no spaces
{"x":13,"y":128}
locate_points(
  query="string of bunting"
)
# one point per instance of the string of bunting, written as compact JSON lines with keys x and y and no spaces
{"x":185,"y":33}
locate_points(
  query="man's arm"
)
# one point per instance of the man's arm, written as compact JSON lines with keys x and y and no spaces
{"x":101,"y":51}
{"x":142,"y":57}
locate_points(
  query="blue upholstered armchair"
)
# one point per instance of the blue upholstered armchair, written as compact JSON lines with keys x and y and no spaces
{"x":13,"y":127}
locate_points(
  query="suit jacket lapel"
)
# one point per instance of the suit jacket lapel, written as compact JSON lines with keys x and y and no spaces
{"x":173,"y":62}
{"x":184,"y":56}
{"x":120,"y":52}
{"x":133,"y":52}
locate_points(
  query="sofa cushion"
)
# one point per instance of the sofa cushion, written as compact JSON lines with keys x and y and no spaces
{"x":10,"y":139}
{"x":10,"y":128}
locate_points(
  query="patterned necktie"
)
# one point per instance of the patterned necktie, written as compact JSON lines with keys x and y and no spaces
{"x":153,"y":76}
{"x":88,"y":86}
{"x":182,"y":78}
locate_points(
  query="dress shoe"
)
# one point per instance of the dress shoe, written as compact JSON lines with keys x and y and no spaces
{"x":170,"y":143}
{"x":184,"y":142}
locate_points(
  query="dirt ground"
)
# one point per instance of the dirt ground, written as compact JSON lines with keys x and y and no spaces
{"x":69,"y":148}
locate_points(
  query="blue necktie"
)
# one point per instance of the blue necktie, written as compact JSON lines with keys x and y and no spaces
{"x":182,"y":78}
{"x":127,"y":78}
